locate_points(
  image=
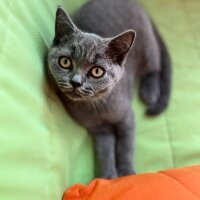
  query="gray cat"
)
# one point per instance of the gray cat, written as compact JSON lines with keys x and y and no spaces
{"x":95,"y":67}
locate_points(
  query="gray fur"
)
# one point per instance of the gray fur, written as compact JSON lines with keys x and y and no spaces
{"x":103,"y":105}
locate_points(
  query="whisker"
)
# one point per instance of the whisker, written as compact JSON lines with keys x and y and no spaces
{"x":100,"y":106}
{"x":94,"y":106}
{"x":89,"y":89}
{"x":87,"y":92}
{"x":104,"y":101}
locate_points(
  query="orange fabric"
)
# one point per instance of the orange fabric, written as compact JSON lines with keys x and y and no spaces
{"x":176,"y":184}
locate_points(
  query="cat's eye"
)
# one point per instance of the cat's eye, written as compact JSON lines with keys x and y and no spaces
{"x":97,"y":72}
{"x":65,"y":62}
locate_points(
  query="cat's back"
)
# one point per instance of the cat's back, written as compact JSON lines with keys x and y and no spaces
{"x":110,"y":17}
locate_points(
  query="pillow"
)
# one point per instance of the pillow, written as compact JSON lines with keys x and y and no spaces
{"x":173,"y":184}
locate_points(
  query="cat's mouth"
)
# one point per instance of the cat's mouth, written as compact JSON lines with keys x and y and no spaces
{"x":77,"y":95}
{"x":74,"y":95}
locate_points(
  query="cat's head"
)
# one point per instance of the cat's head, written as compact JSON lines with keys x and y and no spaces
{"x":85,"y":65}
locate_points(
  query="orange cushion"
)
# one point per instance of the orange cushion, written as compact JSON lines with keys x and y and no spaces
{"x":176,"y":184}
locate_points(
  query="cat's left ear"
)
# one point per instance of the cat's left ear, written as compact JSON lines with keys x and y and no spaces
{"x":119,"y":46}
{"x":64,"y":27}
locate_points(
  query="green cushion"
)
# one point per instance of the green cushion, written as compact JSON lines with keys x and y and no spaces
{"x":42,"y":150}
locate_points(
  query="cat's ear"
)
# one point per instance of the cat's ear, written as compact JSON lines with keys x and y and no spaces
{"x":64,"y":27}
{"x":119,"y":46}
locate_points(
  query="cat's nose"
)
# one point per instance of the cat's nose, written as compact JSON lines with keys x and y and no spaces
{"x":76,"y":81}
{"x":75,"y":84}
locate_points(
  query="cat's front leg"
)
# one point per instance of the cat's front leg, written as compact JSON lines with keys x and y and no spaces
{"x":104,"y":144}
{"x":124,"y":145}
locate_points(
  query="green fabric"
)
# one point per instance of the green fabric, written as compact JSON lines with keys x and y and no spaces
{"x":42,"y":150}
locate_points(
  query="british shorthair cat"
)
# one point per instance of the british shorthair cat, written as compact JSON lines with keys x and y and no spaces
{"x":95,"y":60}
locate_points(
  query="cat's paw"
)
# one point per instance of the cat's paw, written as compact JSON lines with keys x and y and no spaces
{"x":109,"y":176}
{"x":149,"y":89}
{"x":126,"y":172}
{"x":109,"y":172}
{"x":149,"y":97}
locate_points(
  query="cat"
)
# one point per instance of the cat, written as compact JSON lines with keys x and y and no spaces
{"x":95,"y":60}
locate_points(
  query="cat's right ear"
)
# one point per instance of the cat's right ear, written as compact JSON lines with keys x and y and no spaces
{"x":119,"y":46}
{"x":64,"y":27}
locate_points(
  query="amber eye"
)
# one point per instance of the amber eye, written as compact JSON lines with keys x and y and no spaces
{"x":97,"y":72}
{"x":65,"y":62}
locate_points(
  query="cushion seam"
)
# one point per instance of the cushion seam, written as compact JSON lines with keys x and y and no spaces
{"x":170,"y":142}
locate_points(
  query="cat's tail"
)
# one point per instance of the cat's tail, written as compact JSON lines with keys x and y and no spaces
{"x":165,"y":78}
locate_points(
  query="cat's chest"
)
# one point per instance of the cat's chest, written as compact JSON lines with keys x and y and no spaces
{"x":95,"y":112}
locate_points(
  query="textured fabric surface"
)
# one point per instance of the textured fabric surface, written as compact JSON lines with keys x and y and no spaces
{"x":172,"y":184}
{"x":42,"y":150}
{"x":38,"y":147}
